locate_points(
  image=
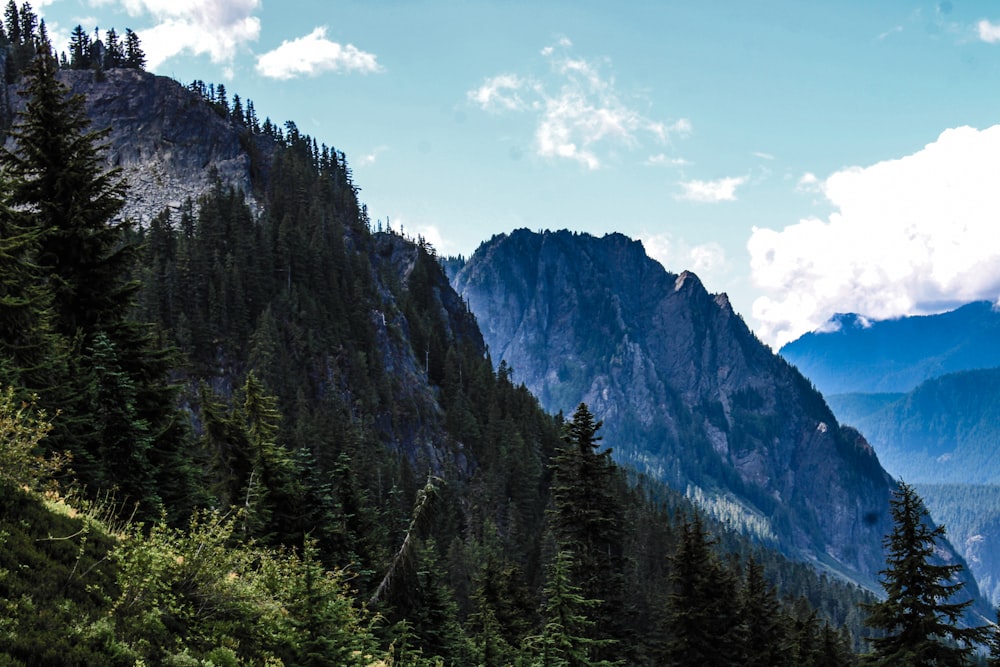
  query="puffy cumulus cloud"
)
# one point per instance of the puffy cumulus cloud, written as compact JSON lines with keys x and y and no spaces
{"x":578,"y":108}
{"x":988,"y":32}
{"x":723,"y":189}
{"x":312,"y":55}
{"x":907,"y":236}
{"x":216,"y":28}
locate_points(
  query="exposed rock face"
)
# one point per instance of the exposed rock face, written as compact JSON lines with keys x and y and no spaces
{"x":170,"y":143}
{"x":686,"y":392}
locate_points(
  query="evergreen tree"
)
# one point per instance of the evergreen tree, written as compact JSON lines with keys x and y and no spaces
{"x":588,"y":521}
{"x":28,"y":348}
{"x":567,"y":636}
{"x":60,"y":189}
{"x":79,"y":48}
{"x":702,"y":608}
{"x":135,"y":57}
{"x":762,"y":629}
{"x":922,"y":627}
{"x":993,"y":642}
{"x":114,"y":53}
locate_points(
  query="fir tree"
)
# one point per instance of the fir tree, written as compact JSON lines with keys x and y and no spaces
{"x":587,"y":520}
{"x":60,"y":189}
{"x":702,"y":608}
{"x":135,"y":57}
{"x":567,"y":636}
{"x":922,"y":626}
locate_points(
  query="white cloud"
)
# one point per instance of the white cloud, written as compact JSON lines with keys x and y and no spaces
{"x":906,"y":236}
{"x":432,"y":234}
{"x":216,"y":28}
{"x":662,"y":160}
{"x":312,"y":55}
{"x":988,"y":32}
{"x":500,"y":93}
{"x":706,"y":260}
{"x":723,"y":189}
{"x":579,"y":112}
{"x":891,"y":31}
{"x":763,"y":156}
{"x":371,"y":158}
{"x":808,"y":183}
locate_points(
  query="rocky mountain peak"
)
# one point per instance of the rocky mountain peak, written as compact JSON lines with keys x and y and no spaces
{"x":170,"y":142}
{"x":686,"y":391}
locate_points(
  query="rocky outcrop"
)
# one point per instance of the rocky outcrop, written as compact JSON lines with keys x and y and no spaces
{"x":686,"y":391}
{"x":170,"y":143}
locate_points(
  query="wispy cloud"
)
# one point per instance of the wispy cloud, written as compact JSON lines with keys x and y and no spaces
{"x":723,"y":189}
{"x":763,"y":156}
{"x":891,"y":31}
{"x":216,"y":28}
{"x":905,"y":237}
{"x":501,"y":93}
{"x":314,"y":54}
{"x":578,"y":108}
{"x":663,"y":160}
{"x":808,"y":182}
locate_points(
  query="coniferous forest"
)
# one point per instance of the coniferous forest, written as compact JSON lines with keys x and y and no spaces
{"x":274,"y":436}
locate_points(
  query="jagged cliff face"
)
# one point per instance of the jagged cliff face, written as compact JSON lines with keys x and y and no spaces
{"x":169,"y":142}
{"x":685,"y":390}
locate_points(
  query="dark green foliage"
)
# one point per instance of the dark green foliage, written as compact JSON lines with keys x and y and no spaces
{"x":325,"y":372}
{"x":588,"y":522}
{"x":567,"y":631}
{"x":920,"y":622}
{"x":702,"y":622}
{"x":54,"y":584}
{"x":118,"y":415}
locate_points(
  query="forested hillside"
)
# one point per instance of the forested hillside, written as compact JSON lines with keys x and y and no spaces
{"x":258,"y":431}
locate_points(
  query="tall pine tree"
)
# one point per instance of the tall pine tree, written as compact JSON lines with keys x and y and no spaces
{"x":922,"y":626}
{"x":61,"y":191}
{"x":588,"y":521}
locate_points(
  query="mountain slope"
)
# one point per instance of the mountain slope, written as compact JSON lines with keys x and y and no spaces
{"x":686,"y":392}
{"x":362,"y":372}
{"x":897,"y":355}
{"x":944,"y":431}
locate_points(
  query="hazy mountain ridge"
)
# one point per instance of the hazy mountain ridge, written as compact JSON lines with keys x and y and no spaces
{"x":944,"y":431}
{"x":858,"y":355}
{"x":937,"y":424}
{"x":685,"y":389}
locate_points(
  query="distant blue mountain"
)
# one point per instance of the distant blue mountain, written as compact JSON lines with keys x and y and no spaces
{"x":943,"y":432}
{"x":897,"y":355}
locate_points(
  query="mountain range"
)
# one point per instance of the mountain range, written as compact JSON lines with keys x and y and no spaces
{"x":324,"y":370}
{"x":854,"y":354}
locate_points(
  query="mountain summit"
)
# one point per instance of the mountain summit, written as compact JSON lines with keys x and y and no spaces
{"x":686,"y":391}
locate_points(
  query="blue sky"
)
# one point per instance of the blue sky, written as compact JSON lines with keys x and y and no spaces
{"x":807,"y":158}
